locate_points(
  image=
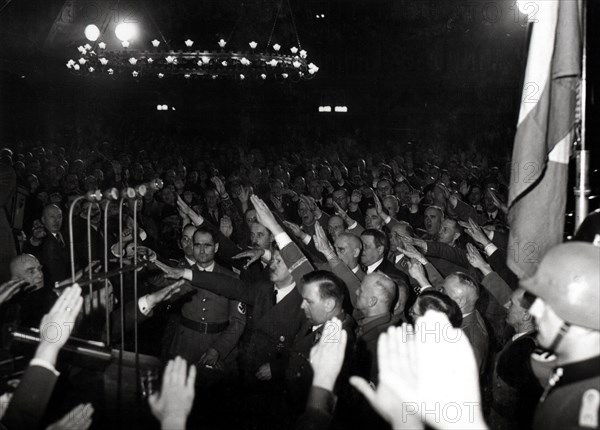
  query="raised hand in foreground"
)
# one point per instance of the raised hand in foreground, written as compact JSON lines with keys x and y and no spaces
{"x":174,"y":403}
{"x":413,"y":381}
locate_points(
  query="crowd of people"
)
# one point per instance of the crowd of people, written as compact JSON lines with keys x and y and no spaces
{"x":340,"y":288}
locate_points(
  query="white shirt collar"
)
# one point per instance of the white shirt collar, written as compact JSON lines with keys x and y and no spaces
{"x":189,"y":261}
{"x":282,"y":292}
{"x":207,"y":269}
{"x":356,"y":269}
{"x":371,"y":268}
{"x":518,"y":335}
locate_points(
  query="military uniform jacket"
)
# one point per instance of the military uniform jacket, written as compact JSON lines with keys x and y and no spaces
{"x":574,"y":400}
{"x":207,"y":307}
{"x":272,"y":328}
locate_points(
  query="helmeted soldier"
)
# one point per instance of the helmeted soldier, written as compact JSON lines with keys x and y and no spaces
{"x":567,"y":311}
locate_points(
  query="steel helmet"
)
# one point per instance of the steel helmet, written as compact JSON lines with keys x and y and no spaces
{"x":568,"y":280}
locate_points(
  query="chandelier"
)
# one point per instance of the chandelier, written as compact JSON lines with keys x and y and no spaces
{"x":156,"y":62}
{"x":159,"y":64}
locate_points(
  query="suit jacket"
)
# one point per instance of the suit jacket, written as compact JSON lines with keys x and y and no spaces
{"x":474,"y":328}
{"x":298,"y":371}
{"x":8,"y":250}
{"x":55,"y":257}
{"x":366,"y":345}
{"x":515,"y":389}
{"x":271,"y":329}
{"x":402,"y":282}
{"x":29,"y":401}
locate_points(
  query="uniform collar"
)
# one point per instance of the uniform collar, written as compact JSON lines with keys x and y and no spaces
{"x":579,"y":371}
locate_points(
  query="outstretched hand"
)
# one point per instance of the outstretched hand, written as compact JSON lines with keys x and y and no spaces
{"x":170,"y":272}
{"x":252,"y":254}
{"x":321,"y":242}
{"x":265,"y":216}
{"x":174,"y":403}
{"x":412,"y":382}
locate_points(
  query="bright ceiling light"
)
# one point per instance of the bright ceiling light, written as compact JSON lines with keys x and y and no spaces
{"x":126,"y":31}
{"x":92,"y":32}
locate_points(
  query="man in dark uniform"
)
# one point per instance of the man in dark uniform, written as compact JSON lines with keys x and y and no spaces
{"x":210,"y":325}
{"x":567,"y":286}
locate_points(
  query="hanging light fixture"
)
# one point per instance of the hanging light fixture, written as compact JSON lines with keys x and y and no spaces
{"x":155,"y":61}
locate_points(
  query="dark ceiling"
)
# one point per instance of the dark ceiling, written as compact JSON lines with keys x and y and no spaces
{"x":405,"y":68}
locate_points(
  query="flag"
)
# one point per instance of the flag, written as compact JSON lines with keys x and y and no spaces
{"x":538,"y":187}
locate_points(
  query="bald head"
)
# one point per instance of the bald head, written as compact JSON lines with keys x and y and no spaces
{"x":27,"y":268}
{"x":376,"y":295}
{"x":463,"y":290}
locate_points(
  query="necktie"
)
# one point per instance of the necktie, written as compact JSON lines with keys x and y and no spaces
{"x":274,"y":297}
{"x":60,"y":239}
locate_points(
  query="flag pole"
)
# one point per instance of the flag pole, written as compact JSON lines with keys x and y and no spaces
{"x":582,"y":186}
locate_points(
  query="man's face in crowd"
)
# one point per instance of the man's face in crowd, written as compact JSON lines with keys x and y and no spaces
{"x":138,"y":171}
{"x":364,"y":293}
{"x":170,"y":176}
{"x":488,"y":203}
{"x":370,"y":252}
{"x":71,"y":182}
{"x":325,"y":173}
{"x":250,"y":217}
{"x":316,"y":190}
{"x":204,"y":248}
{"x":346,"y":251}
{"x":384,"y":188}
{"x":187,"y":241}
{"x":433,"y":221}
{"x":260,"y":236}
{"x":402,"y":192}
{"x":52,"y":219}
{"x":299,"y":185}
{"x":335,"y":226}
{"x":95,"y":214}
{"x":99,"y":174}
{"x":278,"y":271}
{"x":314,"y":306}
{"x":448,"y":232}
{"x":168,"y":196}
{"x":341,"y":198}
{"x":193,"y":177}
{"x":212,"y":199}
{"x":391,"y":205}
{"x":305,"y":213}
{"x":30,"y":270}
{"x":372,"y":219}
{"x":516,"y":315}
{"x":475,"y":196}
{"x":548,"y":322}
{"x":277,"y":188}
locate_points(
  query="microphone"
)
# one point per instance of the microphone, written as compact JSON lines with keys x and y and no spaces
{"x":111,"y":194}
{"x":128,"y":193}
{"x":155,"y":185}
{"x":93,"y":196}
